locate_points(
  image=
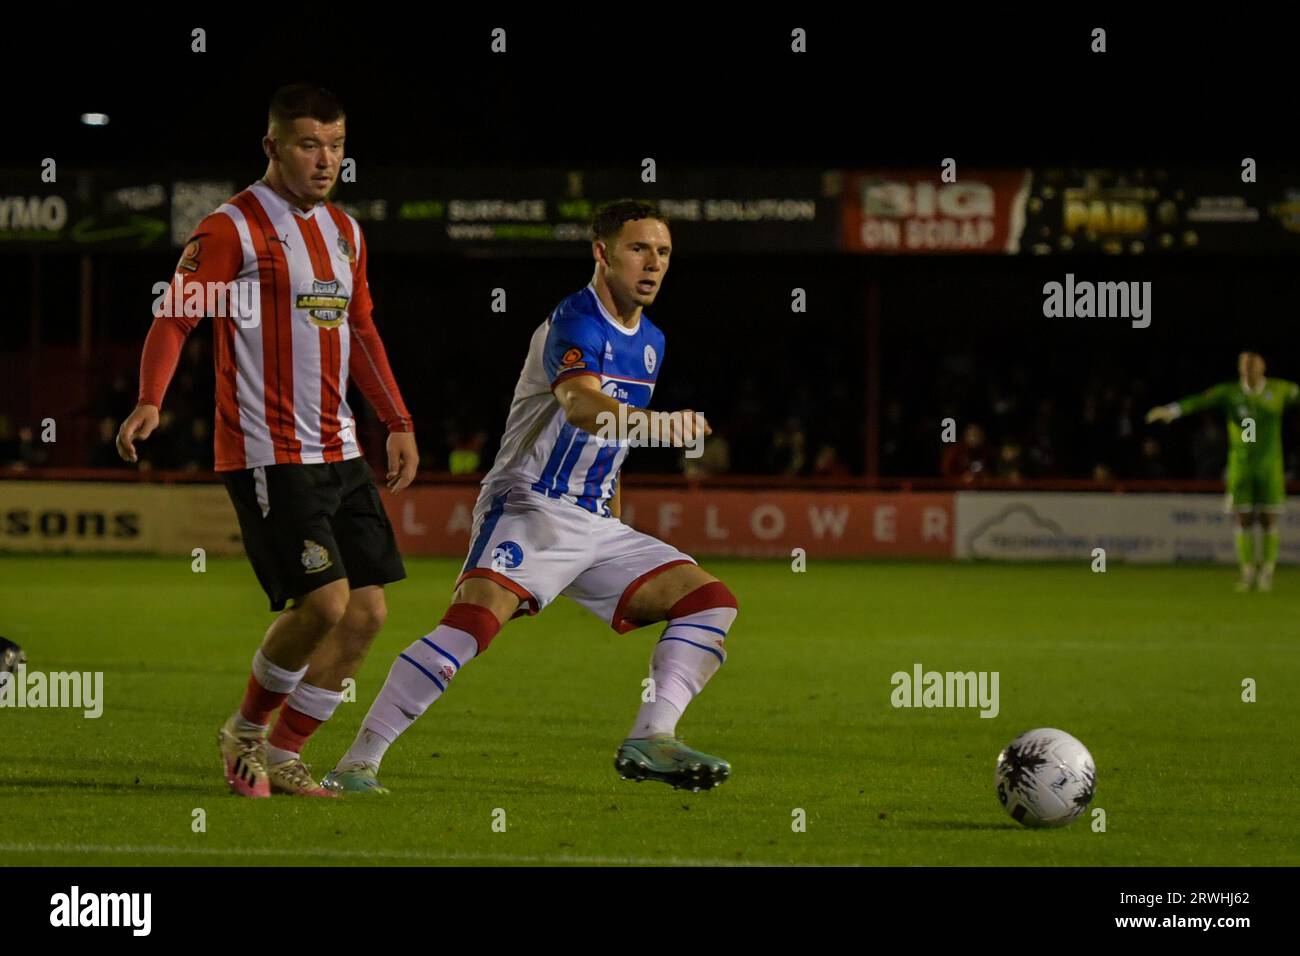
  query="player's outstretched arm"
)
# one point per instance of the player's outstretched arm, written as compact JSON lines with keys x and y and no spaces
{"x":585,"y":405}
{"x":588,"y":408}
{"x":1164,"y":413}
{"x":1214,"y":397}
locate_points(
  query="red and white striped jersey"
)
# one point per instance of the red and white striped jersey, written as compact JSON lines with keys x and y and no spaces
{"x":295,"y":322}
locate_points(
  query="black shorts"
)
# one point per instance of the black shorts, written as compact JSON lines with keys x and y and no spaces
{"x":305,"y":526}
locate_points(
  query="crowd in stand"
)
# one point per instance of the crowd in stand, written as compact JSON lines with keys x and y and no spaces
{"x":972,"y":429}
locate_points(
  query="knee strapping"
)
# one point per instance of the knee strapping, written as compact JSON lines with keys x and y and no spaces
{"x":475,"y":620}
{"x":702,"y":619}
{"x":715,"y":594}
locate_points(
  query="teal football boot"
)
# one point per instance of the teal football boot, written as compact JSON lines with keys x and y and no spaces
{"x":355,"y":779}
{"x":664,"y":758}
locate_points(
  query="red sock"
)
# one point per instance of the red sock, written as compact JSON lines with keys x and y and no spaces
{"x":292,"y":730}
{"x":259,"y":703}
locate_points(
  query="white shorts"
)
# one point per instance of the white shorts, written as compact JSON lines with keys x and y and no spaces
{"x":540,"y":547}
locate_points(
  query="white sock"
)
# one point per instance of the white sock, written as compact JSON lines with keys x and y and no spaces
{"x":275,"y":755}
{"x":275,"y":679}
{"x":243,"y":727}
{"x":417,"y":678}
{"x":314,"y":702}
{"x":689,"y":653}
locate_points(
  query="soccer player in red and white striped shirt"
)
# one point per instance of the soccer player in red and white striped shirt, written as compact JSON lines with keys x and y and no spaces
{"x":282,"y":273}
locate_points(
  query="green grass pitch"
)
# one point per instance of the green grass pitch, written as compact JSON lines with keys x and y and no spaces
{"x":1144,"y":665}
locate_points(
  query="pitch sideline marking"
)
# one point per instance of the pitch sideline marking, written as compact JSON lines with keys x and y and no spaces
{"x":375,"y":854}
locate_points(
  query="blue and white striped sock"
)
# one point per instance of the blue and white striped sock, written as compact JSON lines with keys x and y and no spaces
{"x":417,"y":678}
{"x":690,"y":652}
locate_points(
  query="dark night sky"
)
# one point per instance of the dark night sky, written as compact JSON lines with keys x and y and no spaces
{"x":988,"y":88}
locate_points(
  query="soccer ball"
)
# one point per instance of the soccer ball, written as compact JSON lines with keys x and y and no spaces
{"x":1045,"y":778}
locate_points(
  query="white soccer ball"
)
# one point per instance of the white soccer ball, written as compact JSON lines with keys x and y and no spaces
{"x":1045,"y":778}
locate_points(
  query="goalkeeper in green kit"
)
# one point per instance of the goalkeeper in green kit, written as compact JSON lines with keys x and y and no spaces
{"x":1256,"y":487}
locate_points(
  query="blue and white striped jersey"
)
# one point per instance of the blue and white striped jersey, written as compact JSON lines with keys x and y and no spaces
{"x":540,"y":449}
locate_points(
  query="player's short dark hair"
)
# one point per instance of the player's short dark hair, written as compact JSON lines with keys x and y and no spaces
{"x":299,"y":100}
{"x":609,"y":218}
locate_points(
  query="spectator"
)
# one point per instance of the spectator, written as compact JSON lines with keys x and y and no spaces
{"x":31,"y":452}
{"x":787,"y":455}
{"x":968,"y":459}
{"x":715,"y":458}
{"x":827,"y":463}
{"x":466,"y":456}
{"x":1150,"y":465}
{"x":1008,"y":467}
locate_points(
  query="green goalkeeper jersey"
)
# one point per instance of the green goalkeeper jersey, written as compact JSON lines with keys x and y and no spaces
{"x":1263,"y":406}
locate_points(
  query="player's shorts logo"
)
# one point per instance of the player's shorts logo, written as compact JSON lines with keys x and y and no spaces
{"x":507,"y":555}
{"x":650,"y":358}
{"x":314,"y":557}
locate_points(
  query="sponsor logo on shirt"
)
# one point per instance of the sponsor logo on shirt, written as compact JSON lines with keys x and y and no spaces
{"x":325,"y":307}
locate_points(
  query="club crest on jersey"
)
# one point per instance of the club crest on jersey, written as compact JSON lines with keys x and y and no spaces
{"x":314,"y":557}
{"x":190,"y":257}
{"x":507,"y":555}
{"x":325,"y":307}
{"x":650,"y":358}
{"x":345,"y":247}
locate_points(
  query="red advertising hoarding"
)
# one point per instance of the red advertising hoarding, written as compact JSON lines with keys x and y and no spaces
{"x":914,"y":211}
{"x":436,"y":520}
